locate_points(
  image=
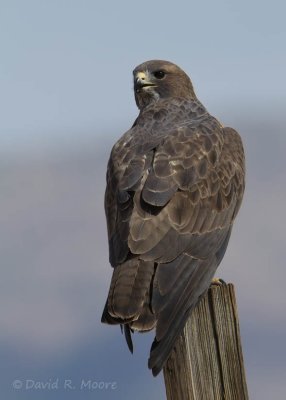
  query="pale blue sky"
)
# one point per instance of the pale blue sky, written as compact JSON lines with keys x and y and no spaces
{"x":66,"y":66}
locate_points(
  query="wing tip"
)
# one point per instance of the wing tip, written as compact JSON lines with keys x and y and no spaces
{"x":155,"y":361}
{"x":127,"y":334}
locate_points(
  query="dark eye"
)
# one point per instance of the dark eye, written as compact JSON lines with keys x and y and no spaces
{"x":159,"y":74}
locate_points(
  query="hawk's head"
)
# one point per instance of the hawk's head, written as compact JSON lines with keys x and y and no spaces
{"x":157,"y":79}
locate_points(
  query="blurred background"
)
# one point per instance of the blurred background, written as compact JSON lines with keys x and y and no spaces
{"x":65,"y":97}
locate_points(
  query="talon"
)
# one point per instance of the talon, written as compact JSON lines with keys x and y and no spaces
{"x":218,"y":282}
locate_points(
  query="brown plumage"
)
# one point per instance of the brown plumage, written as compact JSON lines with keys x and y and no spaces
{"x":175,"y":182}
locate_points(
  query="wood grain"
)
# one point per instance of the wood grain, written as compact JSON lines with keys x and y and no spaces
{"x":207,"y":362}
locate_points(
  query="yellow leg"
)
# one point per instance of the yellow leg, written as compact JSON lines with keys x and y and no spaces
{"x":218,"y":282}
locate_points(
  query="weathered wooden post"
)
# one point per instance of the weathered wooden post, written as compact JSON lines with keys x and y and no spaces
{"x":206,"y":362}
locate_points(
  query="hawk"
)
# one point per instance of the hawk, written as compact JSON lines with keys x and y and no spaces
{"x":175,"y":182}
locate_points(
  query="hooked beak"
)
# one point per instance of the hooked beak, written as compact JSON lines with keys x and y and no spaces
{"x":141,"y":81}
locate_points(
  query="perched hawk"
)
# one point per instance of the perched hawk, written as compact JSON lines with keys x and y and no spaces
{"x":175,"y":182}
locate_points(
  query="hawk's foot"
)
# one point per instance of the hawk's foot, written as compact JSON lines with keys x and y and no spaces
{"x":218,"y":282}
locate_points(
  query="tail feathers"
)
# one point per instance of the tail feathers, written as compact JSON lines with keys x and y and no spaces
{"x":129,"y":285}
{"x":128,"y":302}
{"x":108,"y":319}
{"x":146,"y":320}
